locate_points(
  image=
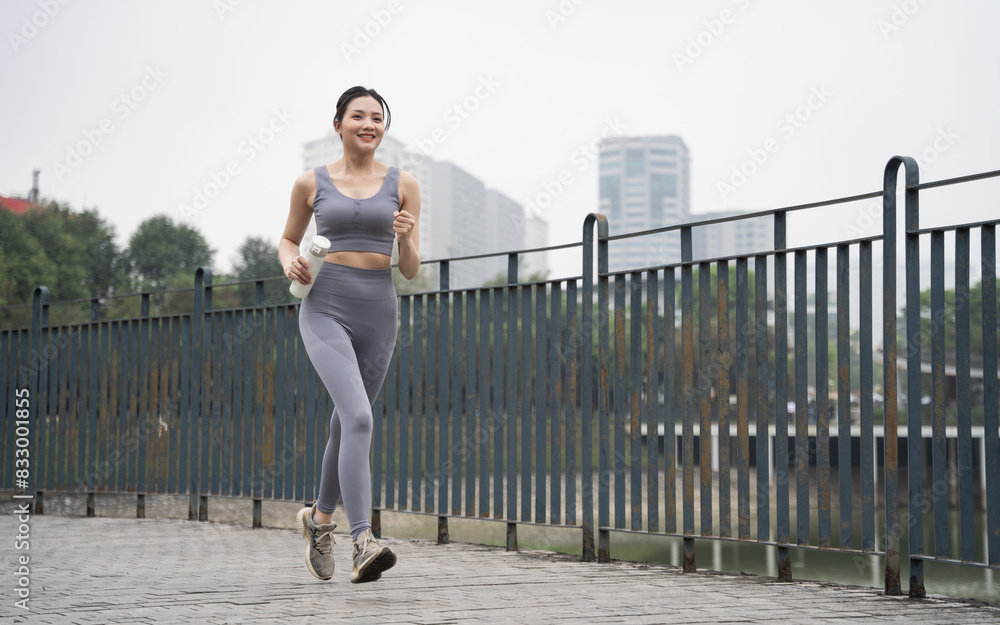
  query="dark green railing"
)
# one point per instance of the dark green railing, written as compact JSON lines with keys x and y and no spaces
{"x":546,"y":403}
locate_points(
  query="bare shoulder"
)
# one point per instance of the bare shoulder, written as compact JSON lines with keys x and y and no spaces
{"x":407,"y":181}
{"x":304,"y":188}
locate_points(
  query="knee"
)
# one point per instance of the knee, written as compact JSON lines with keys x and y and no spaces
{"x":357,"y":424}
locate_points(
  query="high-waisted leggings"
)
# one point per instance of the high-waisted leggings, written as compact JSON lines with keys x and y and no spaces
{"x":348,"y":324}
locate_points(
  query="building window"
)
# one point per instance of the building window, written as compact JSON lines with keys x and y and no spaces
{"x":612,"y":192}
{"x":635,"y":163}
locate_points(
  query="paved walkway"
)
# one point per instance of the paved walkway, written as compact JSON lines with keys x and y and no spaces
{"x":163,"y":571}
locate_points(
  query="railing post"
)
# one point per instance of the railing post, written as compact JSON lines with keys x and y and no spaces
{"x":198,"y":459}
{"x":36,"y":362}
{"x":915,"y":452}
{"x":587,"y":371}
{"x":781,"y":476}
{"x":688,"y":396}
{"x":143,"y":413}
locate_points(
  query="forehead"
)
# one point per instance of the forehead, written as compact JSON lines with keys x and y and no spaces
{"x":366,"y":104}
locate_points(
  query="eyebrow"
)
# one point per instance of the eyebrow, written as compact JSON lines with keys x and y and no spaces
{"x":361,"y":111}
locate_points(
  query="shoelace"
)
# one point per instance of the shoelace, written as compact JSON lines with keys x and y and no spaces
{"x":323,"y":541}
{"x":366,"y":544}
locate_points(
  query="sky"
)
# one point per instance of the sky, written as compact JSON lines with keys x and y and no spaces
{"x":199,"y":109}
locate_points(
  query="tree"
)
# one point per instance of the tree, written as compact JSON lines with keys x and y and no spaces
{"x":160,"y":249}
{"x":258,"y":259}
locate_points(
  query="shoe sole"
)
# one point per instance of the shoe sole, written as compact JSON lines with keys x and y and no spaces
{"x":301,"y":516}
{"x":373,"y":571}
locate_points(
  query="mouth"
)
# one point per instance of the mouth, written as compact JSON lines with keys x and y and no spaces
{"x":366,"y":137}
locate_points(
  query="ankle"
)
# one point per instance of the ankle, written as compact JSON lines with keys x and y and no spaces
{"x":321,"y":518}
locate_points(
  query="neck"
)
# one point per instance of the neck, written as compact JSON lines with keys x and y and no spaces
{"x":358,"y":163}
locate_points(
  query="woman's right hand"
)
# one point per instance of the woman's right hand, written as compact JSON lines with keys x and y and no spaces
{"x":299,"y":270}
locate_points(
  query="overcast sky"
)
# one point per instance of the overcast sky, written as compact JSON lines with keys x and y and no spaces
{"x":138,"y":108}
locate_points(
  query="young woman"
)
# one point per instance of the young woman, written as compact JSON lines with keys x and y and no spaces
{"x":348,"y":320}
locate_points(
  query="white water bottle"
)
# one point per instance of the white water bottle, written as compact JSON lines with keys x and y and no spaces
{"x":315,"y":255}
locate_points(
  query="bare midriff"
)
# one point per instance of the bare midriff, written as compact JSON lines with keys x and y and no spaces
{"x":361,"y":260}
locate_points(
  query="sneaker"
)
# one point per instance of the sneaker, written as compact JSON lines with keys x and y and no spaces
{"x":319,"y":554}
{"x":370,"y":559}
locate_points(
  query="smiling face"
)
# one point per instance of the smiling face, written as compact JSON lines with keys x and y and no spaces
{"x":362,"y":125}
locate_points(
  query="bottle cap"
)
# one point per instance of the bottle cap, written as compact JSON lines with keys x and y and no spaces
{"x":320,"y":246}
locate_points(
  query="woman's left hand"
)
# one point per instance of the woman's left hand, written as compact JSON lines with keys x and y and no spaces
{"x":403,"y":223}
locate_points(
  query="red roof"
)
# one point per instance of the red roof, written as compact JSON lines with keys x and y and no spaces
{"x":16,"y":205}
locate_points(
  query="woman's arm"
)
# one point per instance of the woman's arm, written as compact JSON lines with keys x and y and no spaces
{"x":407,"y":225}
{"x":296,"y":267}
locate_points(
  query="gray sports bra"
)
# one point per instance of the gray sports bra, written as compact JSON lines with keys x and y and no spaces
{"x":356,"y":225}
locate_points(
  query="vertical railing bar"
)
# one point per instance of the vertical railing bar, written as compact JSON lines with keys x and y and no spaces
{"x":670,"y":395}
{"x":557,"y":406}
{"x":459,"y":364}
{"x":782,"y":474}
{"x":619,"y":397}
{"x":541,"y":413}
{"x":866,"y":366}
{"x":802,"y":502}
{"x":652,"y":402}
{"x":725,"y":361}
{"x":991,"y":443}
{"x":914,"y":529}
{"x":823,"y":398}
{"x":742,"y":398}
{"x":476,"y":438}
{"x":603,"y":408}
{"x":505,"y":409}
{"x":524,"y":392}
{"x":635,"y":388}
{"x":420,"y":413}
{"x":446,"y":361}
{"x":939,"y":445}
{"x":572,"y":400}
{"x":844,"y":464}
{"x":483,"y":392}
{"x":432,"y":397}
{"x":964,"y":394}
{"x":762,"y":423}
{"x":406,"y":349}
{"x":688,"y":395}
{"x":704,"y":391}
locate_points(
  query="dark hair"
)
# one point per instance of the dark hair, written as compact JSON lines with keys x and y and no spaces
{"x":359,"y":92}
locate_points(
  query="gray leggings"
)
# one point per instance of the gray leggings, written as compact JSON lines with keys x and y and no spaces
{"x":348,"y":324}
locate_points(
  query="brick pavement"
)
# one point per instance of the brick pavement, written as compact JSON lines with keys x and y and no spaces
{"x":174,"y":571}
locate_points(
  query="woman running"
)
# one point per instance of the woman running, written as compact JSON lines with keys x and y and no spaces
{"x":348,"y":321}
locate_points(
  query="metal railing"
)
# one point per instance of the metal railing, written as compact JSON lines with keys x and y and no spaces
{"x":547,"y":403}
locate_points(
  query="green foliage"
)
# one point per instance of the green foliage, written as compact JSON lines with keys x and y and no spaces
{"x":160,"y":249}
{"x":258,"y":259}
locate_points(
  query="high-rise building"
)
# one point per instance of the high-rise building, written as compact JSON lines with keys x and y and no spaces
{"x":459,"y":216}
{"x":730,"y":238}
{"x":644,"y":184}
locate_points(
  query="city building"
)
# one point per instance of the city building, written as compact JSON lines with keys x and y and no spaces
{"x":731,"y":238}
{"x":644,"y":184}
